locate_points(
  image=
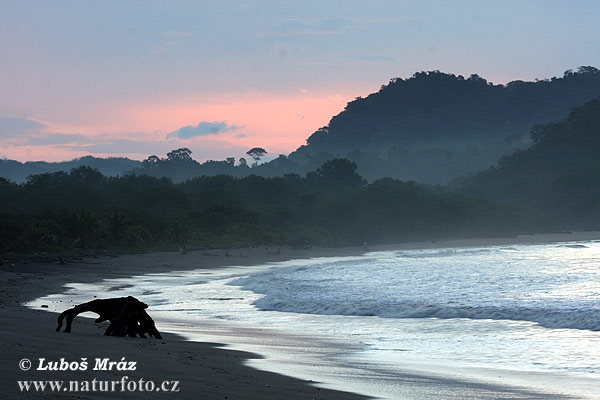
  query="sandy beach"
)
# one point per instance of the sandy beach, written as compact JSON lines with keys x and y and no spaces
{"x":203,"y":370}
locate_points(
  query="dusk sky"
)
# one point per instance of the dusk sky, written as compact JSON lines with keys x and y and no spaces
{"x":134,"y":78}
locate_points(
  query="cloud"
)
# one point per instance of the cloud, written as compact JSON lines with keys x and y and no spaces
{"x":51,"y":139}
{"x":94,"y":143}
{"x":121,"y":146}
{"x":11,"y":127}
{"x":202,"y":129}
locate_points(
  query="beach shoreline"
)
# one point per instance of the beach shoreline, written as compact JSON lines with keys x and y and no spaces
{"x":204,"y":371}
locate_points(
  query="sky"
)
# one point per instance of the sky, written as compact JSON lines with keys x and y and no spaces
{"x":135,"y":78}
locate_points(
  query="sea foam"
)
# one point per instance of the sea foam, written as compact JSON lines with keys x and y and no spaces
{"x":555,"y":286}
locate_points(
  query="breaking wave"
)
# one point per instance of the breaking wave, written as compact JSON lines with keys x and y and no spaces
{"x":521,"y":284}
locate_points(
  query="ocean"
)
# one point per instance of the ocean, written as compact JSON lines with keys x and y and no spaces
{"x":525,"y":318}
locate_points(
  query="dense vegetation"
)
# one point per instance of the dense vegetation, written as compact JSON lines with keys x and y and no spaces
{"x":559,"y":176}
{"x":332,"y":205}
{"x":435,"y":126}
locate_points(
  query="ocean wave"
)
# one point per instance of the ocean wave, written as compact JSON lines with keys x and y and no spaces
{"x":574,"y":246}
{"x":564,"y":319}
{"x":538,"y":283}
{"x":441,"y":253}
{"x":393,"y":292}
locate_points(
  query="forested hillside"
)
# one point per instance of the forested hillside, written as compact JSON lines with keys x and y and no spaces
{"x":559,"y":176}
{"x":434,"y":126}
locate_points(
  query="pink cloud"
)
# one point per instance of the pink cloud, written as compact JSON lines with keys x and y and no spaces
{"x":279,"y":123}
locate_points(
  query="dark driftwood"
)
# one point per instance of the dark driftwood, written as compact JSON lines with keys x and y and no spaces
{"x":127,"y":316}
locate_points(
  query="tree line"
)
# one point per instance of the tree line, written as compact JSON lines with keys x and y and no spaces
{"x":553,"y":185}
{"x":332,"y":206}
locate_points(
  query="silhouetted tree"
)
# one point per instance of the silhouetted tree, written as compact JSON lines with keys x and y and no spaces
{"x":243,"y":162}
{"x":256,"y":153}
{"x":86,"y":174}
{"x":339,"y":171}
{"x":182,"y":154}
{"x":151,"y":162}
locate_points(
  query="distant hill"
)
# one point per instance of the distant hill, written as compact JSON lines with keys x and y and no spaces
{"x":432,"y":128}
{"x":18,"y":172}
{"x":558,"y":176}
{"x":435,"y":126}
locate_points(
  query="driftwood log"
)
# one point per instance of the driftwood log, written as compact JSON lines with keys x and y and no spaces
{"x":127,"y":316}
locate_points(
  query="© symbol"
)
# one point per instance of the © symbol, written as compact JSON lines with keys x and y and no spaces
{"x":25,"y":364}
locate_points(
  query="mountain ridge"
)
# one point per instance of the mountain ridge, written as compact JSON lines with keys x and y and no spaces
{"x":432,"y":127}
{"x":433,"y":116}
